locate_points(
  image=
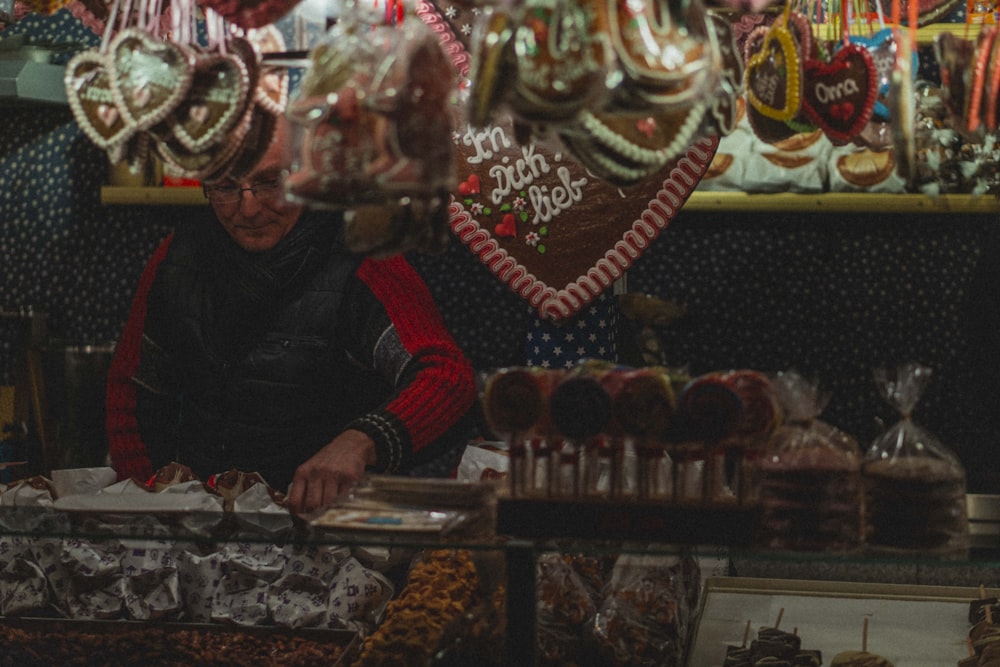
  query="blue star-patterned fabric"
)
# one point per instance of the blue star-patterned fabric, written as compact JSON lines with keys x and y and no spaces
{"x":588,"y":335}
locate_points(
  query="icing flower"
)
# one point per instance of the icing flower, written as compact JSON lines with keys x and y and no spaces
{"x":451,"y":12}
{"x":519,"y":203}
{"x":532,"y":239}
{"x":476,"y":208}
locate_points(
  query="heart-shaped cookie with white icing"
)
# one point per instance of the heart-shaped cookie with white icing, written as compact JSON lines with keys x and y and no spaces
{"x":149,"y":76}
{"x":215,"y":102}
{"x":554,"y":233}
{"x":88,"y":90}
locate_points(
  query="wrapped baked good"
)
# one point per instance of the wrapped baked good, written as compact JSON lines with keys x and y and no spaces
{"x":809,"y":477}
{"x":914,"y":485}
{"x":564,"y":608}
{"x":374,"y":114}
{"x":645,"y":615}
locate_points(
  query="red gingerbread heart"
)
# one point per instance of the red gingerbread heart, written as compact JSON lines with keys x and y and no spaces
{"x":839,"y":96}
{"x":574,"y":234}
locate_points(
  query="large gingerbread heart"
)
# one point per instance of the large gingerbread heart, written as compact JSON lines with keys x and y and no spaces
{"x":554,"y":233}
{"x":839,"y":95}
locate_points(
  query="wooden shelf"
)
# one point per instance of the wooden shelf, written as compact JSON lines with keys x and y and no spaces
{"x":842,"y":202}
{"x":152,"y":196}
{"x":830,"y":202}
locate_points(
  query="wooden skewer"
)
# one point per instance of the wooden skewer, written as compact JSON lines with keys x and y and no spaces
{"x":777,"y":621}
{"x":864,"y":637}
{"x":746,"y":634}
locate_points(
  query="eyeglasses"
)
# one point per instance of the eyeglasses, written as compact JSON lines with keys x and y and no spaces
{"x":230,"y":193}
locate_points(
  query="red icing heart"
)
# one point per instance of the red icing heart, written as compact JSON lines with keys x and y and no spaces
{"x":577,"y":234}
{"x":469,"y":186}
{"x":839,"y":96}
{"x":508,"y":227}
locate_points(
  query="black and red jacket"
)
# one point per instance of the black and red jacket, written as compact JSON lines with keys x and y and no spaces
{"x":359,"y":345}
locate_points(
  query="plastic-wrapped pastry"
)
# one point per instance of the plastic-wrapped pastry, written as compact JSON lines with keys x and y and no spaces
{"x":914,"y":485}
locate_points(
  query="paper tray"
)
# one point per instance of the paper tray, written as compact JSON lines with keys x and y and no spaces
{"x":913,"y":626}
{"x":69,"y":631}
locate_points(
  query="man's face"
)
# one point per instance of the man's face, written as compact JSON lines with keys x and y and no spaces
{"x":256,"y":220}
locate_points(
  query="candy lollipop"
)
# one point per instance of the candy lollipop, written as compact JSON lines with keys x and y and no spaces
{"x":515,"y":402}
{"x":581,"y":409}
{"x":709,"y":411}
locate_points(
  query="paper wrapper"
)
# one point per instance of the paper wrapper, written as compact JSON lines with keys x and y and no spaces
{"x":358,"y":596}
{"x":200,"y":576}
{"x":151,"y":586}
{"x":94,"y":583}
{"x":256,"y":509}
{"x":75,"y":481}
{"x":300,"y":597}
{"x":23,"y":588}
{"x":248,"y":570}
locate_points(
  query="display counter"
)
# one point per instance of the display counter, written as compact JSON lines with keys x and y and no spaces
{"x":509,"y":596}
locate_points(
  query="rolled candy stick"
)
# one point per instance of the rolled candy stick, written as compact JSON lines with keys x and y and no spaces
{"x":761,"y":409}
{"x":580,"y":405}
{"x":642,"y":401}
{"x":516,"y":399}
{"x":709,"y":409}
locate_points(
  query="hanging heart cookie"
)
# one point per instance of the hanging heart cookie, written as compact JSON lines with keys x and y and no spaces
{"x":774,"y":75}
{"x":88,"y":90}
{"x":839,"y":95}
{"x":663,"y":50}
{"x":724,"y":111}
{"x":974,"y":97}
{"x":149,"y":76}
{"x":216,"y":101}
{"x":766,"y":129}
{"x":563,"y":57}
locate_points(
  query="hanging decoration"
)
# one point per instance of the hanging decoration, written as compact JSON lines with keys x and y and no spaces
{"x":205,"y":110}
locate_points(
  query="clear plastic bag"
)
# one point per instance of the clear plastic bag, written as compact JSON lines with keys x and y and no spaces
{"x":809,"y":477}
{"x":645,"y":616}
{"x":914,"y":485}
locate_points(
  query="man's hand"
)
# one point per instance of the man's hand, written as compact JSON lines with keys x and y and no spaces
{"x":331,"y":472}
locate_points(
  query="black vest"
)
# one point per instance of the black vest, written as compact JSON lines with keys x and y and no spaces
{"x":262,"y":388}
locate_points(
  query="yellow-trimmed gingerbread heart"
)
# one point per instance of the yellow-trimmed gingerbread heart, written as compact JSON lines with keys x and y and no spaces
{"x":774,"y":76}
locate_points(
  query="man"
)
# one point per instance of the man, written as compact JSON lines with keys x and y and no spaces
{"x":259,"y":343}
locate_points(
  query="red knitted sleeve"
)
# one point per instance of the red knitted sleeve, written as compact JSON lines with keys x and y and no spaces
{"x":128,"y":452}
{"x":444,"y":387}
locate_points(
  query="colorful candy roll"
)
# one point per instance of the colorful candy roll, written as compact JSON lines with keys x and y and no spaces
{"x":761,"y":409}
{"x":515,"y":400}
{"x":580,"y":406}
{"x":642,"y":399}
{"x":709,"y":409}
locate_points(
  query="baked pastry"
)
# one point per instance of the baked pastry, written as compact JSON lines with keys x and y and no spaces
{"x":170,"y":475}
{"x":859,"y":659}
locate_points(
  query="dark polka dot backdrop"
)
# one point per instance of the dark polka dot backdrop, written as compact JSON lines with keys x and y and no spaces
{"x":830,"y":296}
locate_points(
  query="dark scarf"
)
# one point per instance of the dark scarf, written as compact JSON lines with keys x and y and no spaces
{"x":249,"y":287}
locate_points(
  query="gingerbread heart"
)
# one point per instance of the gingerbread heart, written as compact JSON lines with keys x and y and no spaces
{"x":215,"y":102}
{"x":766,"y":129}
{"x":575,"y":233}
{"x":774,"y":75}
{"x":663,"y":49}
{"x":839,"y":95}
{"x":149,"y":76}
{"x":563,"y":58}
{"x":724,"y":110}
{"x":88,"y":90}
